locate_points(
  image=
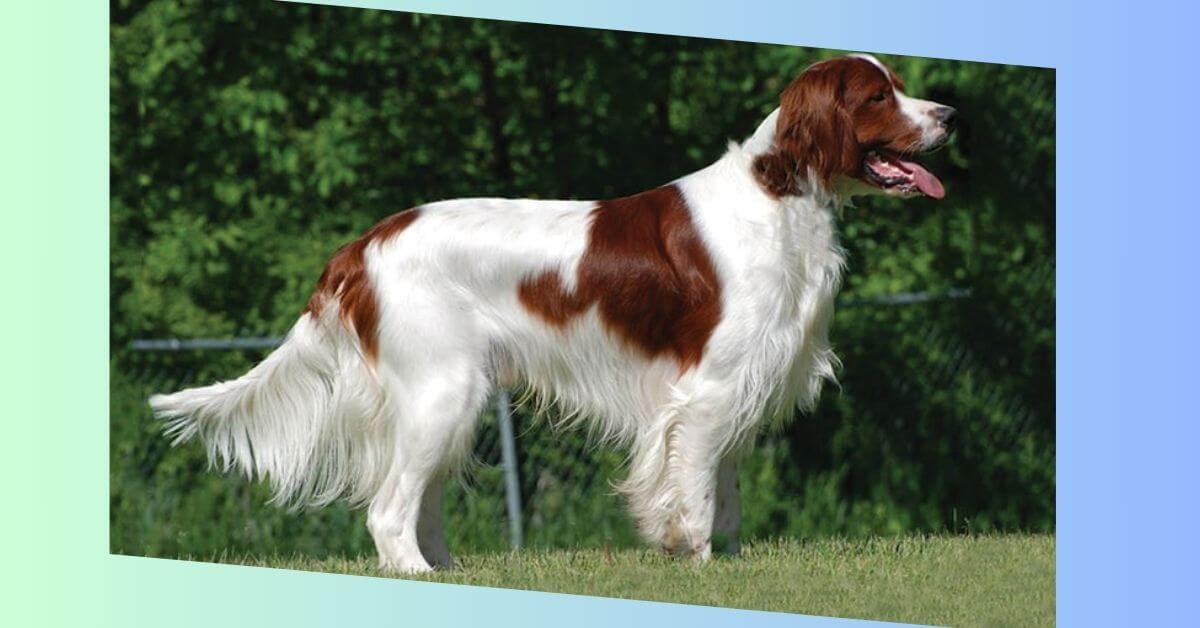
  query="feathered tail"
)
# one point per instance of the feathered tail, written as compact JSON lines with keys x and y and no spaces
{"x":306,"y":417}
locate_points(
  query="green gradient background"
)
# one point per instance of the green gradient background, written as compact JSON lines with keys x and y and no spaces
{"x":53,"y":198}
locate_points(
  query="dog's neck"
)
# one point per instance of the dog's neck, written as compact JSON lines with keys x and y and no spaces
{"x":763,"y":138}
{"x":801,"y":229}
{"x":812,"y":195}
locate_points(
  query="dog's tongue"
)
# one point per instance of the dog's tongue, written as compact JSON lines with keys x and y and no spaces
{"x":924,"y":179}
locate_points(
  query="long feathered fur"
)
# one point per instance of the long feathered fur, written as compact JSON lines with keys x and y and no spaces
{"x":306,"y":418}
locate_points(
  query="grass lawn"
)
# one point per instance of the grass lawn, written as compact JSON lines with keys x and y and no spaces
{"x":988,"y":580}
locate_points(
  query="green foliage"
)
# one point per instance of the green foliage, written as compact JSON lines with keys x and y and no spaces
{"x":250,"y":140}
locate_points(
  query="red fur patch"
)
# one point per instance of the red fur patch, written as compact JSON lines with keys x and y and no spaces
{"x":345,"y":278}
{"x":647,"y":272}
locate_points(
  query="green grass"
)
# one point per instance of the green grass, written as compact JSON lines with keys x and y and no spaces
{"x":988,"y":580}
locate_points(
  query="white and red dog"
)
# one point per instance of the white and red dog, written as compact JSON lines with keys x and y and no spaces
{"x":675,"y":322}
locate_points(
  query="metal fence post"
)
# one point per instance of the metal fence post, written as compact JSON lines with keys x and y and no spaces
{"x":508,"y":455}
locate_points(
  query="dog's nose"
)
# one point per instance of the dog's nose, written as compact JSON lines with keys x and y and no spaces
{"x":946,"y":115}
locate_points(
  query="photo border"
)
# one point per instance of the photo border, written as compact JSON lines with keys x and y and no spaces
{"x":1124,"y":504}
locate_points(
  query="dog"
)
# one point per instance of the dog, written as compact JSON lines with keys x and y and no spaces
{"x":675,"y":322}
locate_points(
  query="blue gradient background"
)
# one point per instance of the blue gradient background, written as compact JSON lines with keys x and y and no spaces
{"x":1127,"y":333}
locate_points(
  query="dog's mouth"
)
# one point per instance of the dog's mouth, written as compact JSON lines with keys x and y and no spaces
{"x":900,"y":176}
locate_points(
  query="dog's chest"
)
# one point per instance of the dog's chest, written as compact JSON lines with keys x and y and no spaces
{"x":783,"y":305}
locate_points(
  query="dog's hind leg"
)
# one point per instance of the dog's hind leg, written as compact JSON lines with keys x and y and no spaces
{"x":437,"y":408}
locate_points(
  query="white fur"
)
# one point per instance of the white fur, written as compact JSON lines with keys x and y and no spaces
{"x":321,"y":423}
{"x":305,"y":418}
{"x":920,"y":112}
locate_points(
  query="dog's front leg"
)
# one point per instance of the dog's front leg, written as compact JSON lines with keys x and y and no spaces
{"x":672,"y":484}
{"x":690,"y":529}
{"x":693,"y":473}
{"x":430,"y":536}
{"x":727,"y":522}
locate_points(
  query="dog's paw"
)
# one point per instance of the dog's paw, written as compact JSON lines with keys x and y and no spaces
{"x":402,"y":567}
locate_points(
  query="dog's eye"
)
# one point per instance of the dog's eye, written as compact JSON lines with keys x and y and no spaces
{"x":880,"y":97}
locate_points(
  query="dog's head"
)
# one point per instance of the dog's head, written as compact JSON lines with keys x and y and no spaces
{"x":846,"y":124}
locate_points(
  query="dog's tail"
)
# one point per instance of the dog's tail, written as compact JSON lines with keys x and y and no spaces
{"x":306,"y":417}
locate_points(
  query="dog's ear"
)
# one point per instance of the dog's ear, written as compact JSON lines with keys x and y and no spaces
{"x":814,"y":135}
